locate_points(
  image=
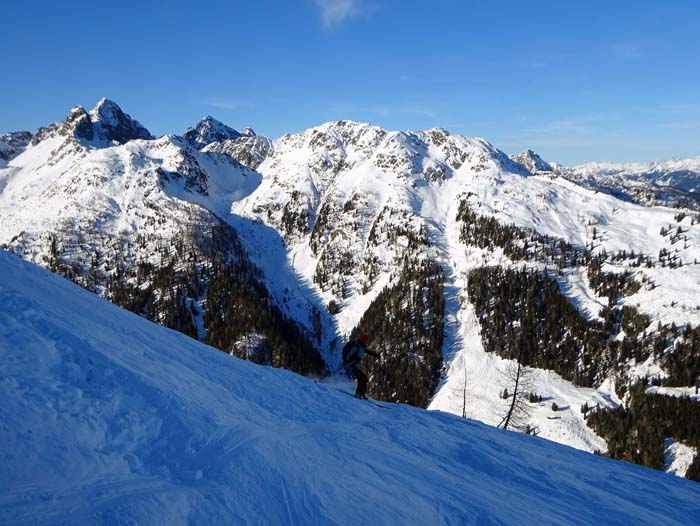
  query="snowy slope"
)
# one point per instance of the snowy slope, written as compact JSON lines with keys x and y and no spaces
{"x":123,"y":187}
{"x":109,"y":419}
{"x":344,"y":163}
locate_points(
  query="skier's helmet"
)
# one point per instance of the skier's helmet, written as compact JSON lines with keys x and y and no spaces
{"x":364,"y":339}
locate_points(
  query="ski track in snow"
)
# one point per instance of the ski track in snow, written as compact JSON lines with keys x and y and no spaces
{"x":110,"y":419}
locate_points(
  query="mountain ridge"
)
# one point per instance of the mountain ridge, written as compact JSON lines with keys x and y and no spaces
{"x":348,"y":218}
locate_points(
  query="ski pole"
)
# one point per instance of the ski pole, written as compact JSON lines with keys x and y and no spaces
{"x":337,"y":370}
{"x":343,"y":367}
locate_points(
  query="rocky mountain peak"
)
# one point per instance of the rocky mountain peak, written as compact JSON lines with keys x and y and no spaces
{"x":110,"y":123}
{"x":533,"y":162}
{"x":11,"y":144}
{"x":250,"y":151}
{"x":78,"y":123}
{"x":437,"y":136}
{"x":209,"y":130}
{"x":340,"y":134}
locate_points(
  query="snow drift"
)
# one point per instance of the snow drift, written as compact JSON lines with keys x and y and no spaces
{"x":109,"y":419}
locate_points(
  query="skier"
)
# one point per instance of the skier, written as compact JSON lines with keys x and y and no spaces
{"x":352,"y":356}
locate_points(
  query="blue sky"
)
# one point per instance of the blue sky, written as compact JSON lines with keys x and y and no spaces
{"x":575,"y":81}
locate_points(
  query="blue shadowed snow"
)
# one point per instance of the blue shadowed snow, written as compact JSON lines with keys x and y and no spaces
{"x":109,"y":419}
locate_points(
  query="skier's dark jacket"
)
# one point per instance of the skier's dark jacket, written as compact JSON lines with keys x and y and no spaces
{"x":354,"y":351}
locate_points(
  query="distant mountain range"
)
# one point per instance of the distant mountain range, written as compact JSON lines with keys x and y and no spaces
{"x":671,"y":183}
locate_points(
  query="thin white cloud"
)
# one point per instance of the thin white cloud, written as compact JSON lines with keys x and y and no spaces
{"x":682,"y":109}
{"x":335,"y":11}
{"x":575,"y":132}
{"x":541,"y":61}
{"x":579,"y":127}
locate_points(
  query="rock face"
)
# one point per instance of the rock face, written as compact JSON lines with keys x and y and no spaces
{"x":11,"y":144}
{"x":79,"y":124}
{"x":250,"y":151}
{"x":209,"y":130}
{"x":110,"y":123}
{"x":533,"y":162}
{"x":105,"y":125}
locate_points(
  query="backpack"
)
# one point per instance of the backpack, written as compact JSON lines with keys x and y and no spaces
{"x":350,"y":351}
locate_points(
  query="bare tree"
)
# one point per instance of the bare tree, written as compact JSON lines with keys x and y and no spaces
{"x":464,"y":392}
{"x":517,"y":378}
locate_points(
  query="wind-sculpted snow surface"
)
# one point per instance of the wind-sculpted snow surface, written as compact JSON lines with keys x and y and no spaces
{"x":110,"y":419}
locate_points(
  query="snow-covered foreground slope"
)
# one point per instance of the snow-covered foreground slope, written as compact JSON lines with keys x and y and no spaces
{"x":109,"y":419}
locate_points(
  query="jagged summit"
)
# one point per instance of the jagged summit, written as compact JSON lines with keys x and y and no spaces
{"x":105,"y":124}
{"x":210,"y":130}
{"x":532,"y":161}
{"x":407,"y":151}
{"x":13,"y":143}
{"x":112,"y":124}
{"x":79,"y":123}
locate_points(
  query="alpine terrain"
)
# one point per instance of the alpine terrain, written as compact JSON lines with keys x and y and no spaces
{"x":561,"y":302}
{"x":110,"y":419}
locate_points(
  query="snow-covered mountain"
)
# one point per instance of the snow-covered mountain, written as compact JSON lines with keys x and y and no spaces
{"x":674,"y":182}
{"x":679,"y":174}
{"x":139,"y":220}
{"x":352,"y":200}
{"x":12,"y":144}
{"x":533,"y":162}
{"x":425,"y":240}
{"x":209,"y":130}
{"x":110,"y":419}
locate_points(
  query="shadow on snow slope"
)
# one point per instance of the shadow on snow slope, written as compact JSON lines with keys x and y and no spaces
{"x":109,"y":419}
{"x":295,"y":296}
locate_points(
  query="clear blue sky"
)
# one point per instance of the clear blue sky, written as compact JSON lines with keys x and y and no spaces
{"x":576,"y":81}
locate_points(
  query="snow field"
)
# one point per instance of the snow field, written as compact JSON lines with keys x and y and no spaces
{"x":109,"y":419}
